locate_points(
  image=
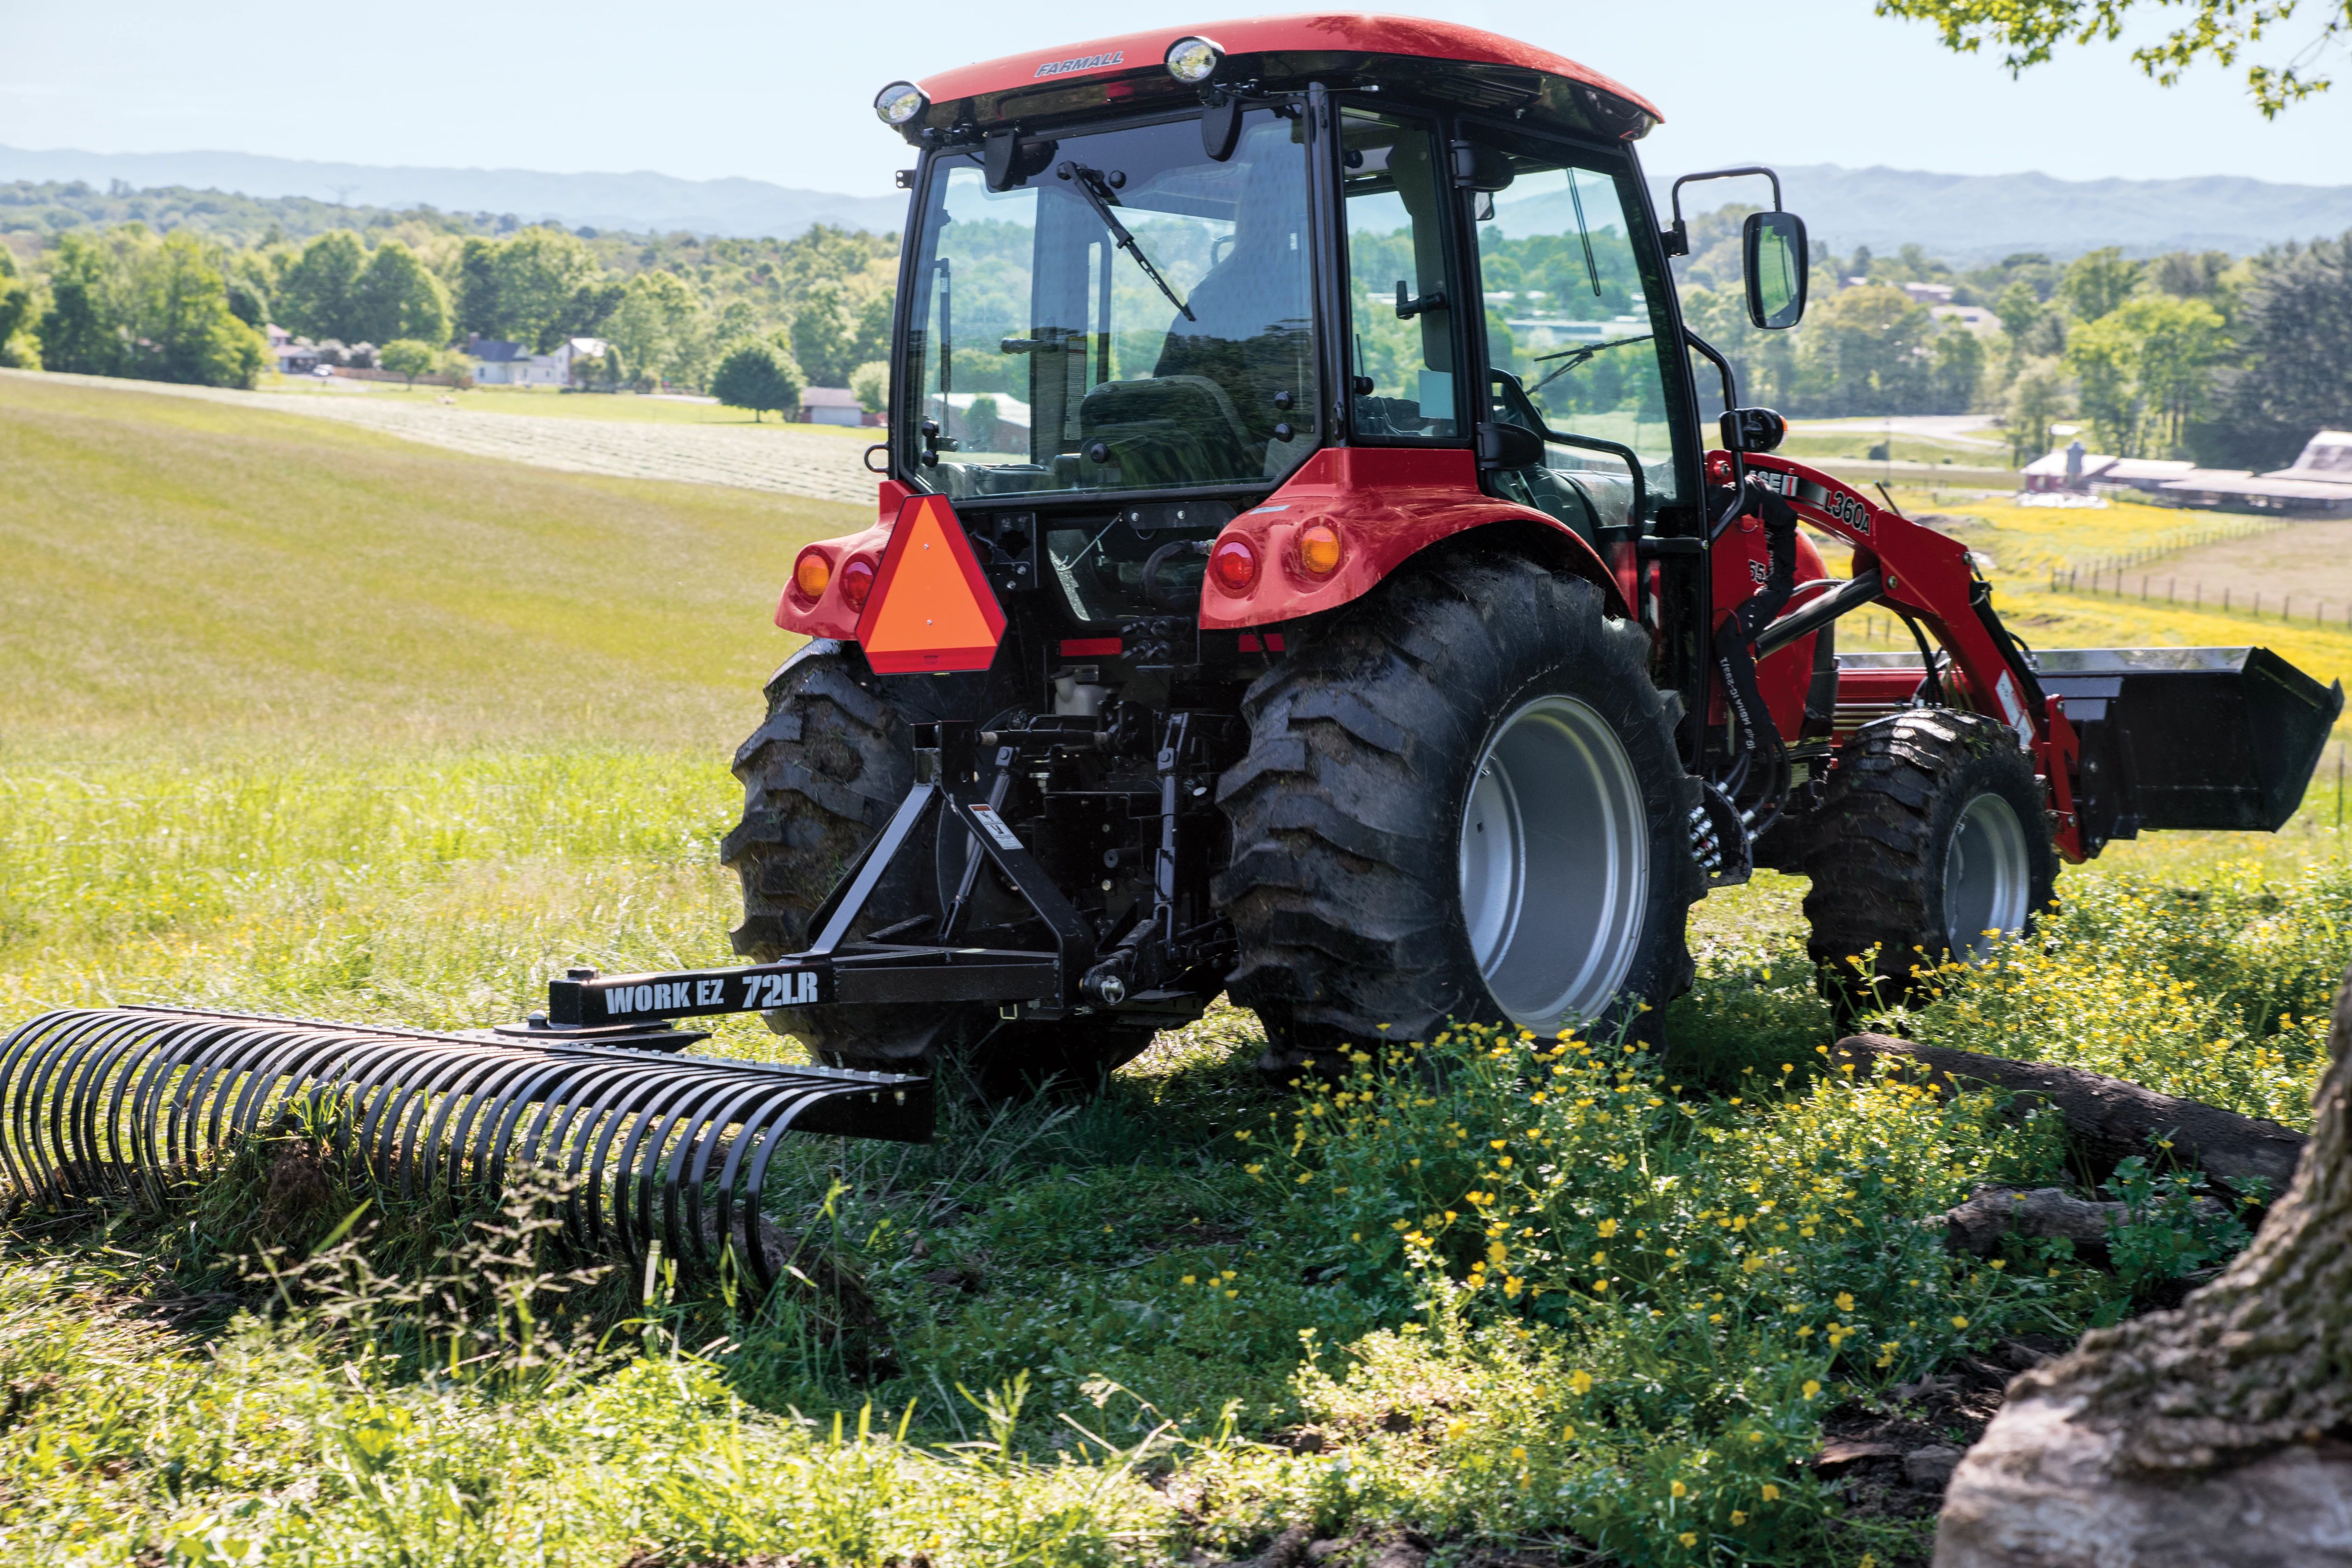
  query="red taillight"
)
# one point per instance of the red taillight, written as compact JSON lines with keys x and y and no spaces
{"x":1233,"y":565}
{"x":811,"y":573}
{"x":857,"y":582}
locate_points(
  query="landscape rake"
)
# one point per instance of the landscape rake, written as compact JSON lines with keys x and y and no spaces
{"x":109,"y":1102}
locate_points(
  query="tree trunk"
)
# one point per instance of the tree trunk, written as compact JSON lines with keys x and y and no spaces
{"x":2212,"y":1434}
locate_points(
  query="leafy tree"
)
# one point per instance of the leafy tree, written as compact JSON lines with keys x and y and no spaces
{"x":2180,"y":343}
{"x":585,"y":313}
{"x":536,"y":273}
{"x":757,"y":375}
{"x":408,"y":357}
{"x":398,"y":297}
{"x":247,"y":302}
{"x":2099,"y":283}
{"x":823,"y":335}
{"x":2103,"y":356}
{"x":17,"y":346}
{"x":663,"y":327}
{"x":2224,"y":30}
{"x":1868,"y":350}
{"x":179,"y":321}
{"x":80,"y":330}
{"x":2189,"y":274}
{"x":2034,"y":330}
{"x":980,"y":423}
{"x":477,"y":288}
{"x":2036,"y":400}
{"x":317,"y":293}
{"x":1959,"y":369}
{"x":871,"y":383}
{"x":2294,"y":325}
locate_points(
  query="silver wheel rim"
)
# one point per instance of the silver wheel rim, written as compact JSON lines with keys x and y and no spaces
{"x":1555,"y":864}
{"x":1986,"y":876}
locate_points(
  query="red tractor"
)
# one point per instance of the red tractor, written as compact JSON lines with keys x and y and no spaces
{"x":1299,"y":571}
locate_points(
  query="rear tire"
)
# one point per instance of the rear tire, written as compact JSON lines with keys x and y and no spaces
{"x":1932,"y":831}
{"x":821,"y":777}
{"x":1475,"y":698}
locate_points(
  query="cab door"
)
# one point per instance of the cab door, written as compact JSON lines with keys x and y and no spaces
{"x":1579,"y":337}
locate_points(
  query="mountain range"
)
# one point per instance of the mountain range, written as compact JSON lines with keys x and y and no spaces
{"x":640,"y":202}
{"x":1962,"y":217}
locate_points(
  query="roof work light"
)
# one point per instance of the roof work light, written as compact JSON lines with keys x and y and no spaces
{"x":899,"y":103}
{"x":1193,"y":60}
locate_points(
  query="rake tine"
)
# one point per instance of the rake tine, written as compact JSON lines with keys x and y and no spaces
{"x":101,"y":1101}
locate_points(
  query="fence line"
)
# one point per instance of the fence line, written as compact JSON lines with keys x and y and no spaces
{"x":2070,"y":578}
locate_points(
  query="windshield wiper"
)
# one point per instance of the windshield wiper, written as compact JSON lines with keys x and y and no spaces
{"x":1092,"y":186}
{"x":1577,"y":356}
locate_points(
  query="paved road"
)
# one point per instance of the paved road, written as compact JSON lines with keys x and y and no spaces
{"x":829,"y":468}
{"x":1959,"y":427}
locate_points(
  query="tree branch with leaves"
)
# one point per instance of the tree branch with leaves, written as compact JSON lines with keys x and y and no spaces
{"x":2226,"y":31}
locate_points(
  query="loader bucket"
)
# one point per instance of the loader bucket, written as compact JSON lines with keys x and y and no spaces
{"x":2189,"y":737}
{"x":121,"y":1101}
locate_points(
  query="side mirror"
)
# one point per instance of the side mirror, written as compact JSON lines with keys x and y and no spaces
{"x":1772,"y":257}
{"x":1505,"y":446}
{"x":1752,"y":429}
{"x":1221,"y":128}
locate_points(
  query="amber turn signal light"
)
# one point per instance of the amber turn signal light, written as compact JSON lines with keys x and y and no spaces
{"x":857,"y":582}
{"x":811,"y":573}
{"x":1319,"y":549}
{"x":1233,"y":565}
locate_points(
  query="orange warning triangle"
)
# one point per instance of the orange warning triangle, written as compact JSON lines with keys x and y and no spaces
{"x":931,"y":607}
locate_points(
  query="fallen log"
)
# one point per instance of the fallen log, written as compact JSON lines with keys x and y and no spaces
{"x":2110,"y":1118}
{"x":1980,"y":1226}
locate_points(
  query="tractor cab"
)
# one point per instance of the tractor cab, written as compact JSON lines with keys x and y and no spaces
{"x":1147,"y":280}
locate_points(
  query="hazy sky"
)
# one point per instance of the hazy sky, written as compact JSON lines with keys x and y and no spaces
{"x":782,"y":91}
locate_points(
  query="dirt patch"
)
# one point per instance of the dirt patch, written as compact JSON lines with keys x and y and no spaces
{"x":2300,"y":569}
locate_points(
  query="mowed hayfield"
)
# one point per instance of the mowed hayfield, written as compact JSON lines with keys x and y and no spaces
{"x":182,"y":576}
{"x":556,"y":403}
{"x":301,"y":719}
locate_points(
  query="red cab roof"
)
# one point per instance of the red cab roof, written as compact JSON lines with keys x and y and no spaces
{"x":1307,"y":34}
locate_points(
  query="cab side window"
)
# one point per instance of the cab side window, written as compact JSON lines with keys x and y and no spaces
{"x":1576,"y":334}
{"x":1400,"y":289}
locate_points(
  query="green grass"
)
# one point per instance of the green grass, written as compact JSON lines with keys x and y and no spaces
{"x":1099,"y":1333}
{"x":181,"y":573}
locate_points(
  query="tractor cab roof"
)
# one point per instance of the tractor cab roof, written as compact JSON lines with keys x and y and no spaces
{"x":1410,"y":57}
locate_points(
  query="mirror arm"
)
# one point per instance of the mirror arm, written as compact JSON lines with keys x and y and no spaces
{"x":1676,"y":194}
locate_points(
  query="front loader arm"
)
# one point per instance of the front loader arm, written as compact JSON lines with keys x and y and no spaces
{"x":1929,"y":578}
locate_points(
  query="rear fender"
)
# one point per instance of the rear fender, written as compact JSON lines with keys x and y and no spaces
{"x":1387,"y":504}
{"x":829,"y":614}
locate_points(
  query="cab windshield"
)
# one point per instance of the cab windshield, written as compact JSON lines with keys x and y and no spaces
{"x":1130,"y":314}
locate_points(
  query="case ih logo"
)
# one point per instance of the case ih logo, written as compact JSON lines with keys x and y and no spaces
{"x":1083,"y":63}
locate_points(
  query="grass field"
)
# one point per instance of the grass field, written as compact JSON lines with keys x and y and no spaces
{"x":182,"y":576}
{"x":295,"y":722}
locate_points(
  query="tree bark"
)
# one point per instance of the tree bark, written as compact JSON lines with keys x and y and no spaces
{"x":2109,"y":1118}
{"x":2211,"y":1435}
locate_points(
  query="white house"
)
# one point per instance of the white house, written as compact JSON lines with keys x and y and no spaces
{"x":831,"y":406}
{"x":500,"y":364}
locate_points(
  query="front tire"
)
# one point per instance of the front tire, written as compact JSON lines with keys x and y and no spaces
{"x":1462,"y":801}
{"x":1931,"y":843}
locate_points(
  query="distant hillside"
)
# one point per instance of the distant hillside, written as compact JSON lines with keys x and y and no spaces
{"x":1966,"y":218}
{"x":1969,"y":219}
{"x":641,"y":203}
